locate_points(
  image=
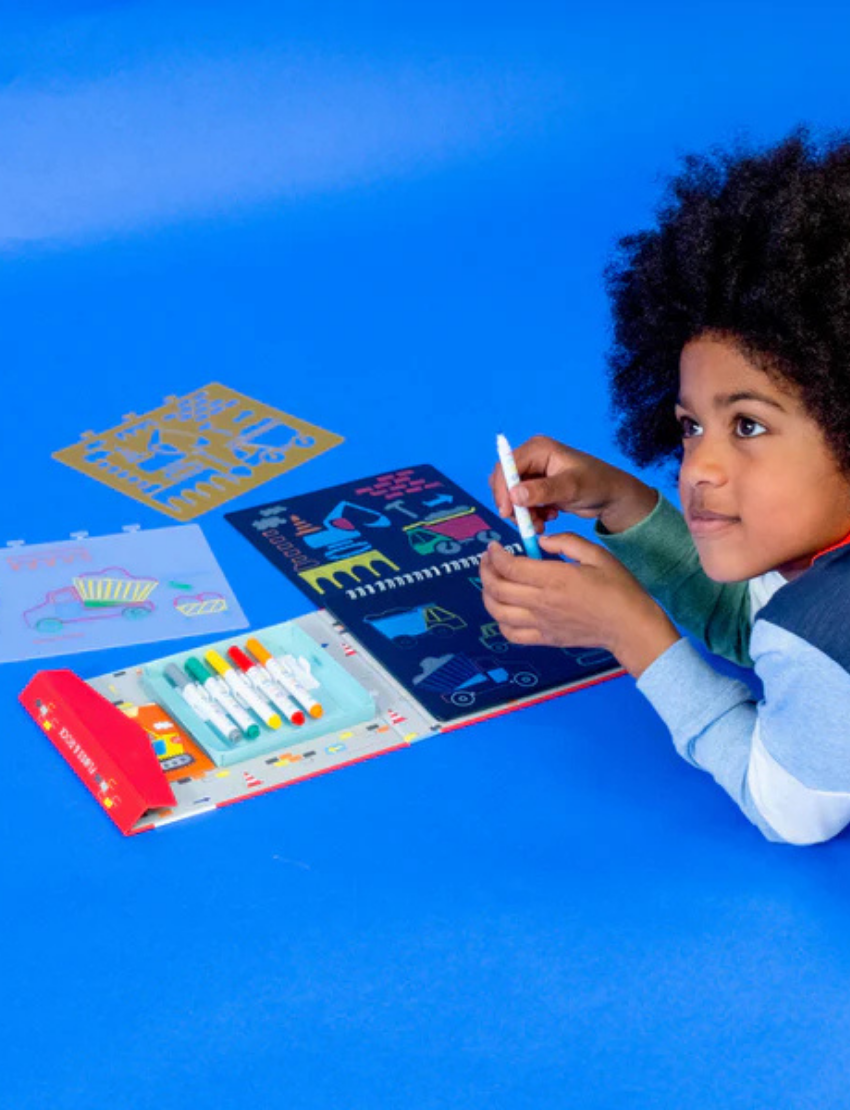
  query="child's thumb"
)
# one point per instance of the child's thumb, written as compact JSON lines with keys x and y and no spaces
{"x":574,"y":547}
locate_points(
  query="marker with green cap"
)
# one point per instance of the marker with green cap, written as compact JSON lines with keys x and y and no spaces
{"x":219,"y":692}
{"x":196,"y":696}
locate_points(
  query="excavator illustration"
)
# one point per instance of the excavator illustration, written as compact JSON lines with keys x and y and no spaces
{"x":341,"y":537}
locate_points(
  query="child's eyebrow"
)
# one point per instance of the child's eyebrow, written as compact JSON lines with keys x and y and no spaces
{"x":724,"y":400}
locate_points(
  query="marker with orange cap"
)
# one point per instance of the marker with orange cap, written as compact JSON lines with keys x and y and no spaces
{"x":282,"y":675}
{"x":265,"y":685}
{"x":243,"y":690}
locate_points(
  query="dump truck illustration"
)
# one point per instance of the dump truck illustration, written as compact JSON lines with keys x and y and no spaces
{"x":113,"y":586}
{"x":446,"y":533}
{"x":459,"y":679}
{"x":403,"y":626}
{"x":99,"y":595}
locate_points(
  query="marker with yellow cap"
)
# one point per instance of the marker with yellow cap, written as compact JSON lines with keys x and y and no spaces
{"x":283,"y":676}
{"x":265,"y":684}
{"x":219,"y":691}
{"x":243,"y":690}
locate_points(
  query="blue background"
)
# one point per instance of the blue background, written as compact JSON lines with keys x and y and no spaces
{"x":390,"y":220}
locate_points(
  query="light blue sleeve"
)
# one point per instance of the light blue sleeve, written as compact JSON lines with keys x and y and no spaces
{"x":785,"y":760}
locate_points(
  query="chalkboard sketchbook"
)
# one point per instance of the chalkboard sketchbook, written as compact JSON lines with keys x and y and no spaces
{"x":394,"y":558}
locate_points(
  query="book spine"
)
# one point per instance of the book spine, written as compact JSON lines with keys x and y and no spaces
{"x":438,"y":570}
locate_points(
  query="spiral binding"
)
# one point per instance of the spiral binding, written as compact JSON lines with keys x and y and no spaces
{"x":451,"y":566}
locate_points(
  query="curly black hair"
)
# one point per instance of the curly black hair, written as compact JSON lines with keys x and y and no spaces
{"x":751,"y":246}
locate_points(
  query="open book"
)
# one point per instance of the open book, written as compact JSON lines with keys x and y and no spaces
{"x":395,"y":559}
{"x":401,"y":646}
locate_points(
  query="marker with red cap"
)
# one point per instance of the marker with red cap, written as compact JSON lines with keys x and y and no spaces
{"x":264,"y":684}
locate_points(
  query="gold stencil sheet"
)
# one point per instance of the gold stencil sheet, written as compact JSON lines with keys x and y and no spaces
{"x":198,"y":451}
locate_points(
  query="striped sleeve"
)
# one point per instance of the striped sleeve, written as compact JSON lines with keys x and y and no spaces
{"x":785,"y":759}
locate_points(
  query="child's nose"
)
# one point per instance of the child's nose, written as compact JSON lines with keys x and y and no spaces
{"x":703,"y":462}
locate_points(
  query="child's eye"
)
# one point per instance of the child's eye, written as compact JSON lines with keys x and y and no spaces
{"x":747,"y":428}
{"x":689,"y":427}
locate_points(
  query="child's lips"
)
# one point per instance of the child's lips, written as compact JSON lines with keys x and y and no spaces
{"x":702,"y":522}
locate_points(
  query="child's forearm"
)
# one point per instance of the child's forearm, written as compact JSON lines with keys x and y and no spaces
{"x":645,"y":634}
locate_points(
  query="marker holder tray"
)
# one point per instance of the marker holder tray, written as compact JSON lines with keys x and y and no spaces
{"x":344,"y":700}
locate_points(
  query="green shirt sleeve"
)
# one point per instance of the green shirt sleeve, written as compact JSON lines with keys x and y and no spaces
{"x":660,"y":553}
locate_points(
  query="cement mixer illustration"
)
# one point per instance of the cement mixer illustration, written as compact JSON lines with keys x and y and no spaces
{"x":459,"y":679}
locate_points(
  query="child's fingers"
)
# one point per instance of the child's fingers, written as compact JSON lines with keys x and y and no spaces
{"x":513,"y":617}
{"x":576,"y":548}
{"x":499,"y":489}
{"x":520,"y":569}
{"x":545,"y":492}
{"x":503,"y":582}
{"x":522,"y":634}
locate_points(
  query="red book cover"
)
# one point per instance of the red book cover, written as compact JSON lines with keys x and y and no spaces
{"x":106,"y":749}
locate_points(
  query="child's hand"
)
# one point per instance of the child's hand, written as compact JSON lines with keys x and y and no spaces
{"x":557,"y":477}
{"x":591,"y":602}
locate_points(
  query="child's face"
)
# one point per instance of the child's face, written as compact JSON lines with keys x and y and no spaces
{"x":760,"y":489}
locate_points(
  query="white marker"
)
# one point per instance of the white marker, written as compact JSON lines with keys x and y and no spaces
{"x":195,"y":696}
{"x":281,"y":674}
{"x":299,"y":675}
{"x":523,"y":516}
{"x":219,"y":691}
{"x":243,"y":690}
{"x":258,"y":675}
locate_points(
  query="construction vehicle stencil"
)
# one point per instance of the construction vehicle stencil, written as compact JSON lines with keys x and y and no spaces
{"x":403,"y":626}
{"x":267,"y":441}
{"x":459,"y":679}
{"x":446,"y":533}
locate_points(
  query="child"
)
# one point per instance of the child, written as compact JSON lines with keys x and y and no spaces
{"x":732,"y":356}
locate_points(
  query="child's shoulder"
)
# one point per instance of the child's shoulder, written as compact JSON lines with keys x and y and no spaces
{"x":816,"y":606}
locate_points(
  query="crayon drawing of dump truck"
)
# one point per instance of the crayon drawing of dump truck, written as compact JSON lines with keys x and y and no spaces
{"x":446,"y":533}
{"x":459,"y":679}
{"x":98,"y":595}
{"x":404,"y":626}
